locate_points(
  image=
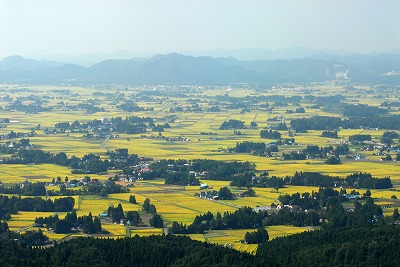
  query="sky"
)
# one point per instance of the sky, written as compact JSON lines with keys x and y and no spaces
{"x":40,"y":28}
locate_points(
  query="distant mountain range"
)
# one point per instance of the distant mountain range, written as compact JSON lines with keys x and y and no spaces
{"x":202,"y":70}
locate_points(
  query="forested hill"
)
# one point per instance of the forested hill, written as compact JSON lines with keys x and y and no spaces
{"x":364,"y":246}
{"x":176,"y":69}
{"x":136,"y":251}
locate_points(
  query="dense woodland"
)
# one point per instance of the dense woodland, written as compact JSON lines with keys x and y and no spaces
{"x":361,"y":246}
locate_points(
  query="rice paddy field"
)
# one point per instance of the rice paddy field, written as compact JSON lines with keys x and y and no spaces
{"x":175,"y":203}
{"x":232,"y":238}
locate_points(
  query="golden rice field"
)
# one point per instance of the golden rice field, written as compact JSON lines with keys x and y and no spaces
{"x":233,"y":237}
{"x":179,"y":203}
{"x":26,"y":219}
{"x":114,"y":229}
{"x":146,"y":232}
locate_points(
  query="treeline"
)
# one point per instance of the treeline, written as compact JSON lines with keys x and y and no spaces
{"x":246,"y":147}
{"x":155,"y":220}
{"x":88,"y":223}
{"x":361,"y":246}
{"x":365,"y":180}
{"x":39,"y":188}
{"x":12,"y":147}
{"x":29,"y":189}
{"x":130,"y":106}
{"x":129,"y":125}
{"x":360,"y":138}
{"x":324,"y":208}
{"x":137,"y":251}
{"x":117,"y":214}
{"x":390,"y":122}
{"x":27,"y":238}
{"x":181,"y":178}
{"x":251,"y":180}
{"x":243,"y":218}
{"x":362,"y":111}
{"x":357,"y":180}
{"x":232,"y":124}
{"x":101,"y":189}
{"x":89,"y":163}
{"x":258,"y":237}
{"x":330,"y":134}
{"x":11,"y":205}
{"x":314,"y":151}
{"x":205,"y":168}
{"x":31,"y":108}
{"x":269,"y":134}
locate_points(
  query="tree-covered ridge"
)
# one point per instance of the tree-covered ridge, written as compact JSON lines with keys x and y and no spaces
{"x":361,"y":246}
{"x":136,"y":251}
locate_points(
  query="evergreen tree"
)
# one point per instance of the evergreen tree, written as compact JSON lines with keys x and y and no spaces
{"x":156,"y":221}
{"x":146,"y":205}
{"x":71,"y":216}
{"x":132,"y":199}
{"x":396,"y":214}
{"x":367,"y":193}
{"x":133,"y":217}
{"x":97,"y":224}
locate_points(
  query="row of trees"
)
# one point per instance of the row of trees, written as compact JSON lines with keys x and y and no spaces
{"x":243,"y":218}
{"x":314,"y":151}
{"x":129,"y":125}
{"x":357,"y":180}
{"x":11,"y":205}
{"x":88,"y":223}
{"x":208,"y":169}
{"x":155,"y":220}
{"x":29,"y":189}
{"x":390,"y":122}
{"x":232,"y":124}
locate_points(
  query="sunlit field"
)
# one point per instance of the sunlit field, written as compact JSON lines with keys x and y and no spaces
{"x":232,"y":238}
{"x":25,"y":219}
{"x":146,"y":232}
{"x":179,"y":203}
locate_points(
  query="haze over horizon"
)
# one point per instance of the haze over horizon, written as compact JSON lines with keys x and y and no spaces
{"x":44,"y":29}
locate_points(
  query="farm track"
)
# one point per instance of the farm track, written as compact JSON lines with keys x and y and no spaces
{"x":169,"y":203}
{"x":183,"y":193}
{"x":187,"y":194}
{"x":103,"y":145}
{"x":255,"y":117}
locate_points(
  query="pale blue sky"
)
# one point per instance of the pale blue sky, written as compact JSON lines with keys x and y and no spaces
{"x":37,"y":28}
